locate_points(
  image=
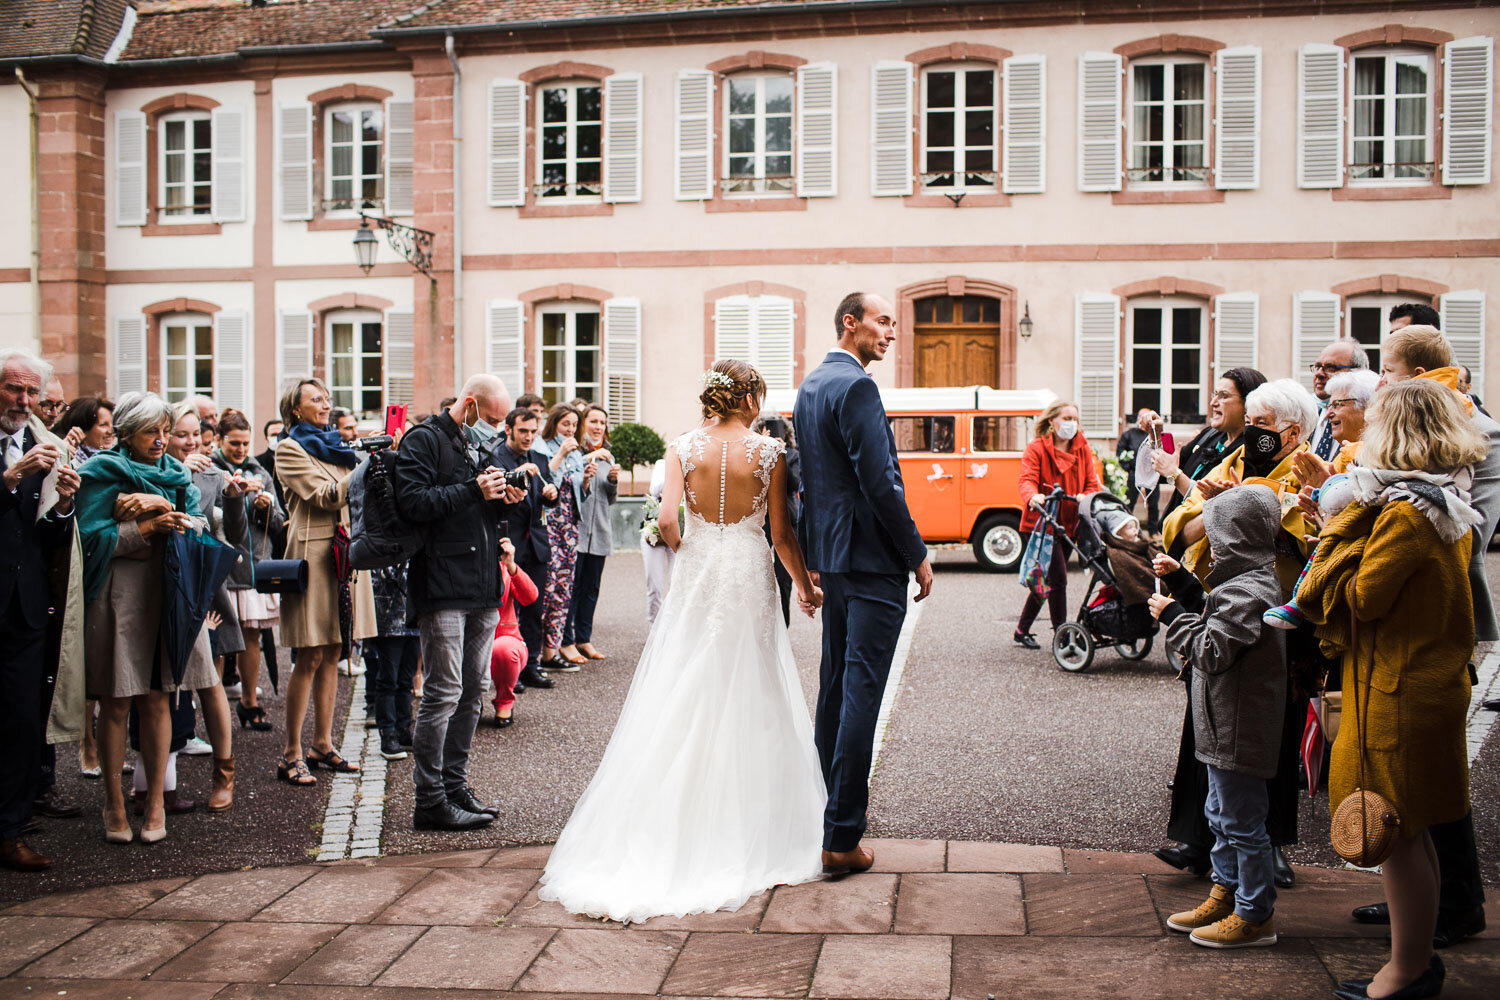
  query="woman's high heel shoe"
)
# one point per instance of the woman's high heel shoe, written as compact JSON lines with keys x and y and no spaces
{"x":124,"y":836}
{"x":253,"y":717}
{"x":154,"y":836}
{"x":1428,"y":984}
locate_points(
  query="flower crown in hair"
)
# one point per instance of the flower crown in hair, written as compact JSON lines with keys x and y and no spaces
{"x":717,"y":380}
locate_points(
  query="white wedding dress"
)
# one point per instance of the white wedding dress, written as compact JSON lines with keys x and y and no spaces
{"x":710,"y":790}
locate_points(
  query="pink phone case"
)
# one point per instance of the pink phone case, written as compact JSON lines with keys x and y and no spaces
{"x":1167,"y":444}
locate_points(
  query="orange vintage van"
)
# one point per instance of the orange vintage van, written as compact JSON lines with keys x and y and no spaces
{"x":960,"y":452}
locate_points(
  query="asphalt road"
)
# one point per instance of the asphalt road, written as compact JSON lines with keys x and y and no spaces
{"x":988,"y":741}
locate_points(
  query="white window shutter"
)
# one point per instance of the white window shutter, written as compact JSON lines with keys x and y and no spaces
{"x":734,"y":329}
{"x":1024,"y":126}
{"x":694,"y":135}
{"x":505,"y":343}
{"x":232,"y":360}
{"x":294,"y":346}
{"x":1316,"y":318}
{"x":1320,"y":116}
{"x":1100,"y":164}
{"x":817,"y":130}
{"x":400,"y":356}
{"x":890,"y":128}
{"x":295,"y":154}
{"x":130,"y":169}
{"x":228,"y":127}
{"x":775,"y":340}
{"x":130,"y":355}
{"x":1469,"y":112}
{"x":622,"y":137}
{"x":1096,"y":362}
{"x":1463,"y":324}
{"x":1236,"y":331}
{"x":507,"y":134}
{"x":1237,"y":128}
{"x":400,"y":152}
{"x":622,"y":359}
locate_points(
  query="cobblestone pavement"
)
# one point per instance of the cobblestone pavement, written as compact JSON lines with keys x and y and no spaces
{"x":936,"y":919}
{"x":987,"y":742}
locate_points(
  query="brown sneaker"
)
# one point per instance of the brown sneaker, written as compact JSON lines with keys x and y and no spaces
{"x":1218,"y":905}
{"x":1235,"y":931}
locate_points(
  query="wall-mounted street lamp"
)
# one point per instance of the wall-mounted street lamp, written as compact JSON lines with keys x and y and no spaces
{"x":1025,"y":324}
{"x":415,"y":245}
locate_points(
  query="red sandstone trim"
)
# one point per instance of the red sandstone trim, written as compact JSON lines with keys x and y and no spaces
{"x":958,"y":52}
{"x":350,"y":300}
{"x":753,"y":289}
{"x":179,"y":102}
{"x":1165,"y":196}
{"x":1169,"y":44}
{"x":1167,"y":285}
{"x":765,"y":203}
{"x":564,"y":293}
{"x":180,"y":305}
{"x":1424,"y":192}
{"x":565,"y":70}
{"x":997,"y":200}
{"x":324,"y":224}
{"x":1390,"y":284}
{"x":181,"y":228}
{"x":755,"y":59}
{"x":956,"y":285}
{"x":9,"y":274}
{"x":349,"y":92}
{"x":1393,"y":34}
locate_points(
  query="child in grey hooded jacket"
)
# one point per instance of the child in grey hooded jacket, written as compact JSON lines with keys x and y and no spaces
{"x":1238,"y":694}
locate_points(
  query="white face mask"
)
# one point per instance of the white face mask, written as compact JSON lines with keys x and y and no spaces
{"x":1066,"y":429}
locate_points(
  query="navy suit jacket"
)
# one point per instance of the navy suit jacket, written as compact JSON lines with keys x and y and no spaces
{"x":854,"y":513}
{"x":526,"y":522}
{"x":27,"y":546}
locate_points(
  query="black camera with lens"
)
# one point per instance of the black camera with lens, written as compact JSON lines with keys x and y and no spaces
{"x":519,"y":478}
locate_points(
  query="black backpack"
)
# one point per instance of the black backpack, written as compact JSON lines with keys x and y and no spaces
{"x":379,"y":536}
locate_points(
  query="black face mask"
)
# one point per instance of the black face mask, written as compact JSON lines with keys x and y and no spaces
{"x":1261,"y":446}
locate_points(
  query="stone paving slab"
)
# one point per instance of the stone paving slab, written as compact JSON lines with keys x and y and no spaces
{"x":947,"y":919}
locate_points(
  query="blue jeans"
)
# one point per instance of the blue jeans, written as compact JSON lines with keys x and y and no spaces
{"x":391,"y":666}
{"x":456,"y":658}
{"x":1236,"y":811}
{"x":587,"y":575}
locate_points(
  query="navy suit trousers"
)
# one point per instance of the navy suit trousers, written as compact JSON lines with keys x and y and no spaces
{"x":862,"y":617}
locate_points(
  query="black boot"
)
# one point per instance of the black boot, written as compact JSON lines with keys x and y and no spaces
{"x":534,"y":678}
{"x":1285,"y":877}
{"x":1185,"y":857}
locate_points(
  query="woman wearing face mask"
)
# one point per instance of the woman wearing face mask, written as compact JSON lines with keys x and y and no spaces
{"x":314,"y":465}
{"x":601,"y":478}
{"x":1226,"y":427}
{"x":559,"y":441}
{"x":1058,"y":456}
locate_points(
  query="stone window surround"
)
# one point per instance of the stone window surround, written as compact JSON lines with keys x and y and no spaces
{"x":1169,"y":45}
{"x":754,"y":289}
{"x":1164,"y":286}
{"x":1406,"y":36}
{"x":534,"y":80}
{"x":957,"y":52}
{"x":531,"y":338}
{"x":755,"y":59}
{"x":1388,"y":284}
{"x":955,"y":285}
{"x":155,"y":349}
{"x":154,"y":111}
{"x":320,"y":308}
{"x":320,"y":101}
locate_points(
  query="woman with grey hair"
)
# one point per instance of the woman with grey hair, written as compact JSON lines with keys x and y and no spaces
{"x":1349,"y":395}
{"x":131,"y":496}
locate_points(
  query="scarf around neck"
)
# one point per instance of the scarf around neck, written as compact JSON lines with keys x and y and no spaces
{"x":1440,"y":499}
{"x":324,"y":444}
{"x":104,"y":477}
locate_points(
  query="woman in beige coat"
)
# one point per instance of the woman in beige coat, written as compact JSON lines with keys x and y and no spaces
{"x":314,"y":466}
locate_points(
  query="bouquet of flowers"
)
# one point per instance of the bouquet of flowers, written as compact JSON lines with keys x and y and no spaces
{"x":651,"y":526}
{"x":1115,"y":479}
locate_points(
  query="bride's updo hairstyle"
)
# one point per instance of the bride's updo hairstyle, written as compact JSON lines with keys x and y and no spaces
{"x":726,"y":385}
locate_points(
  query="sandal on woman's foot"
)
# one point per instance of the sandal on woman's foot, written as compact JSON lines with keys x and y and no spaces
{"x":1026,"y":639}
{"x":331,"y":761}
{"x":591,"y":653}
{"x":295,"y":772}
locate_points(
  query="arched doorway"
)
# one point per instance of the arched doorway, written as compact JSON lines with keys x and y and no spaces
{"x":956,"y":331}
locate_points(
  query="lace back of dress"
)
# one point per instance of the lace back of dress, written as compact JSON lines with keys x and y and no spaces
{"x":727,"y":480}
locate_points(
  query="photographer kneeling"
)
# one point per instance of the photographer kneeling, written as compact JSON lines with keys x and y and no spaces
{"x":447,"y":482}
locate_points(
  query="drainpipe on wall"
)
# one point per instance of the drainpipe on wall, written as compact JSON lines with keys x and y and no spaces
{"x":458,"y":219}
{"x":36,"y":214}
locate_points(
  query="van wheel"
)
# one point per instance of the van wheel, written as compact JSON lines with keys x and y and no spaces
{"x":997,"y":543}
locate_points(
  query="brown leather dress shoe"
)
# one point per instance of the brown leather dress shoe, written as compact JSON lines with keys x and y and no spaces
{"x":15,"y":855}
{"x":840,"y":863}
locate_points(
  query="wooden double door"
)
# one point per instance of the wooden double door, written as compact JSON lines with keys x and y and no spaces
{"x":958,"y":341}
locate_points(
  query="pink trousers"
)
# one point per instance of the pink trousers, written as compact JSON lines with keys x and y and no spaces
{"x":507,"y":657}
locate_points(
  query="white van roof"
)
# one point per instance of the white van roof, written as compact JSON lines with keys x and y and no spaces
{"x":968,"y":397}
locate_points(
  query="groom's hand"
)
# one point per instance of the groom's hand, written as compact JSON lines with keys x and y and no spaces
{"x":924,"y":579}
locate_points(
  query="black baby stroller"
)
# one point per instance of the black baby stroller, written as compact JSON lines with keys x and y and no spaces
{"x":1102,"y":619}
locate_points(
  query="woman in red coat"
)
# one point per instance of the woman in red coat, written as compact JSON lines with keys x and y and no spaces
{"x":508,"y":654}
{"x":1059,"y":456}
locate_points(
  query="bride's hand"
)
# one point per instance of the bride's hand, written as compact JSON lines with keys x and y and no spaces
{"x":810,"y":602}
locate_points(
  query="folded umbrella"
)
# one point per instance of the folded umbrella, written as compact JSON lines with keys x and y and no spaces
{"x":194,"y":567}
{"x":1312,"y":749}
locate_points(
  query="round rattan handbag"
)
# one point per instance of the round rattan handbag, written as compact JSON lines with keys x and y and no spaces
{"x":1365,"y":825}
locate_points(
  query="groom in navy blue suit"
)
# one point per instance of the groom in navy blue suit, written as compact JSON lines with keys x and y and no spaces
{"x":861,"y":542}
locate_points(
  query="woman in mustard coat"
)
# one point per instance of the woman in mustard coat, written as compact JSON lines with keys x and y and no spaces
{"x":314,"y":466}
{"x":1403,"y":547}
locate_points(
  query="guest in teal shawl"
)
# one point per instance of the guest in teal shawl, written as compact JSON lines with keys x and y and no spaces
{"x":129,"y":497}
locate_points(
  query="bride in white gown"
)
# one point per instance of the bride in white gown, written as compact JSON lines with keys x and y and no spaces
{"x":710,"y":790}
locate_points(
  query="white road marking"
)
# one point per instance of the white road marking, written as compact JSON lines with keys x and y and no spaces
{"x":893,"y":681}
{"x":1479,"y":721}
{"x":355,"y":814}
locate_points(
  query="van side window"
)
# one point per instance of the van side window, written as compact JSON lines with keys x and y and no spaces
{"x":1000,"y":433}
{"x":934,"y":434}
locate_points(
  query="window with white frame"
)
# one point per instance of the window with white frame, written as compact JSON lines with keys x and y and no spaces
{"x":570,"y":362}
{"x":1168,"y":122}
{"x":185,"y":143}
{"x":1391,"y":138}
{"x":570,"y":154}
{"x":1165,"y":358}
{"x":187,"y":354}
{"x":1368,"y":317}
{"x":758,"y":115}
{"x":355,"y":342}
{"x":960,"y":121}
{"x":760,"y":329}
{"x":353,"y":136}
